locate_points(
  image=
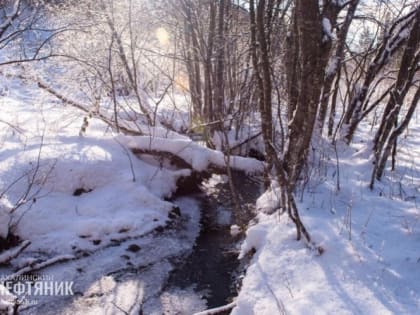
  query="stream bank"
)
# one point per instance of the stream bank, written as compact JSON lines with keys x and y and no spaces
{"x":186,"y":267}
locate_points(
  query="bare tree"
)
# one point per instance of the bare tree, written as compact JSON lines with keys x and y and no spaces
{"x":333,"y":72}
{"x":20,"y":20}
{"x":389,"y":129}
{"x":393,"y":40}
{"x":259,"y":13}
{"x":311,"y":43}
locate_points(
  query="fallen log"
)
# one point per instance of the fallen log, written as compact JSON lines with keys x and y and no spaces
{"x":188,"y":154}
{"x":84,"y":108}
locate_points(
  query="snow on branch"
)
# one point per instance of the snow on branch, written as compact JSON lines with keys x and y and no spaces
{"x":10,"y":17}
{"x":218,"y":310}
{"x":394,"y":37}
{"x":13,"y":253}
{"x":41,"y":265}
{"x":82,"y":107}
{"x":197,"y":157}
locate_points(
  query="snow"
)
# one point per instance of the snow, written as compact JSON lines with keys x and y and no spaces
{"x":270,"y":199}
{"x":404,"y":33}
{"x":327,"y":28}
{"x":51,"y":217}
{"x":64,"y":233}
{"x":235,"y":230}
{"x":112,"y":296}
{"x":34,"y":267}
{"x":181,"y":302}
{"x":339,"y":3}
{"x":332,"y":66}
{"x":7,"y":300}
{"x":371,"y":259}
{"x":256,"y":237}
{"x":102,"y":167}
{"x":172,"y":113}
{"x":9,"y":16}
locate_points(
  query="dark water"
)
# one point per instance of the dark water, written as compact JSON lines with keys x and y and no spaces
{"x":213,"y":267}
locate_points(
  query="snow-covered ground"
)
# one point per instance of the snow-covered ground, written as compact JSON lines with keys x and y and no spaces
{"x":86,"y":190}
{"x":371,"y":263}
{"x":89,"y":201}
{"x":89,"y":193}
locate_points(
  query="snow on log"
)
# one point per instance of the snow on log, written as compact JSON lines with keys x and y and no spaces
{"x":199,"y":158}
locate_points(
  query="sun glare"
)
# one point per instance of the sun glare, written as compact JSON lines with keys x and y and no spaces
{"x":162,"y":36}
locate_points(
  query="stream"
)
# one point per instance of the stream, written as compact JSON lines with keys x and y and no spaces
{"x":188,"y":266}
{"x":213,"y":266}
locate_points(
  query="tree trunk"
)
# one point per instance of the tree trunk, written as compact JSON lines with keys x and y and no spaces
{"x":396,"y":132}
{"x":220,"y":65}
{"x":314,"y":45}
{"x":334,"y":68}
{"x":390,"y":45}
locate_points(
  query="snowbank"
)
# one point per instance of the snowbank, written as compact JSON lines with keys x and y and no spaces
{"x":84,"y":192}
{"x":371,"y":259}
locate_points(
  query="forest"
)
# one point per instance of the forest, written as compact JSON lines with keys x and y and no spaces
{"x":209,"y":157}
